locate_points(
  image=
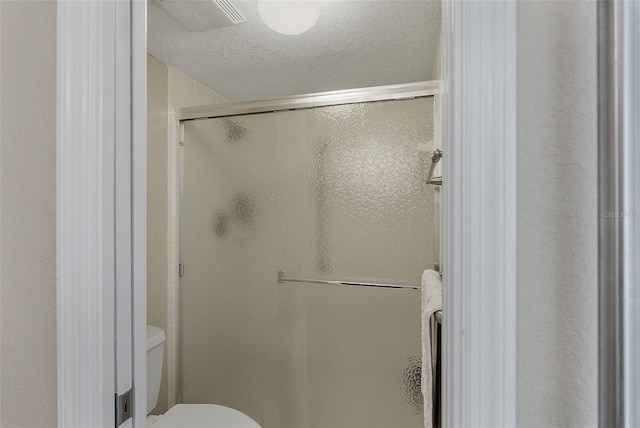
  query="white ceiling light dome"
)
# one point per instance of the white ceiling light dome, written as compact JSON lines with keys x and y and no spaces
{"x":289,"y":17}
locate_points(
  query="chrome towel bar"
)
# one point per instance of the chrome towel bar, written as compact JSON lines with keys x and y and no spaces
{"x":282,"y":279}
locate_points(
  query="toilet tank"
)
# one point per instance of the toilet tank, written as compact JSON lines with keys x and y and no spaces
{"x":155,"y":354}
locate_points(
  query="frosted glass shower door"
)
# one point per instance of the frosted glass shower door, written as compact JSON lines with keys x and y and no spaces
{"x":325,"y":193}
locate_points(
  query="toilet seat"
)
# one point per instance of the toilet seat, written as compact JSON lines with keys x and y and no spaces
{"x":204,"y":416}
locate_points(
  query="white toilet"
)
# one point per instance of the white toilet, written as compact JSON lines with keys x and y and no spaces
{"x":184,"y":415}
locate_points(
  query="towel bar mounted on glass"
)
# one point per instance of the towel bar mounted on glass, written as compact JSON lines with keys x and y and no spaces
{"x":282,"y":279}
{"x":435,"y":158}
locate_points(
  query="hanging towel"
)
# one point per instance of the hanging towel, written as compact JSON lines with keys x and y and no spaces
{"x":431,"y":302}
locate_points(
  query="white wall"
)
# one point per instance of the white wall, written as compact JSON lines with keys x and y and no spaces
{"x":28,"y":217}
{"x":557,"y":206}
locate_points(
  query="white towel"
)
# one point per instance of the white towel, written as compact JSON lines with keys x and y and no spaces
{"x":431,"y":302}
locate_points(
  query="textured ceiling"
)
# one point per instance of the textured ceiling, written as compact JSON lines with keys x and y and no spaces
{"x":355,"y":43}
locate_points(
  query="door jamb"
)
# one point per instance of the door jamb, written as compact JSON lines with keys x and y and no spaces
{"x":479,"y":212}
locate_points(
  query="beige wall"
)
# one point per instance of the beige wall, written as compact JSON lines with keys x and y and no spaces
{"x":186,"y":92}
{"x":167,"y":89}
{"x":557,"y":214}
{"x":28,"y":217}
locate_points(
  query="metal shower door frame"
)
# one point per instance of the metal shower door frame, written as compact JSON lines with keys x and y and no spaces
{"x":321,"y":99}
{"x":618,"y":212}
{"x":399,"y":92}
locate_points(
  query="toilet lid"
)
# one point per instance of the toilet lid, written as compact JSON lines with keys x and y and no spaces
{"x":204,"y":416}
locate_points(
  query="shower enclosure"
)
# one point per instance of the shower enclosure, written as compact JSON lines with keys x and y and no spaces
{"x":325,"y":193}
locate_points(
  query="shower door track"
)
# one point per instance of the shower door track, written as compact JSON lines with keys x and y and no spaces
{"x":321,"y":99}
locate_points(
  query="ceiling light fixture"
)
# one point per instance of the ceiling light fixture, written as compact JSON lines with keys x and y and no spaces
{"x":289,"y":17}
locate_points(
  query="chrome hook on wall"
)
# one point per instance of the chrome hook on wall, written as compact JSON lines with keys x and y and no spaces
{"x":435,"y":158}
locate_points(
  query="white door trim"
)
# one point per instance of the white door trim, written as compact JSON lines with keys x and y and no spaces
{"x":101,"y":210}
{"x":123,"y":206}
{"x":85,"y":214}
{"x":139,"y":215}
{"x":478,"y":223}
{"x":479,"y":216}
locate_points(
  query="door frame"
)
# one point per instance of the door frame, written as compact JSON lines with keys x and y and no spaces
{"x":479,"y":212}
{"x":85,"y":241}
{"x":101,"y":210}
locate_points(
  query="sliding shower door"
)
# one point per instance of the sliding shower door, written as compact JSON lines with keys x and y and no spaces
{"x":333,"y":193}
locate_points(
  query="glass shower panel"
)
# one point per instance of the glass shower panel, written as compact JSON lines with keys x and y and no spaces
{"x":229,"y":249}
{"x":327,"y":193}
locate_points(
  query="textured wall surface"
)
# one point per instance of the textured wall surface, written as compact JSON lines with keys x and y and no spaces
{"x":28,"y":217}
{"x":557,"y":207}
